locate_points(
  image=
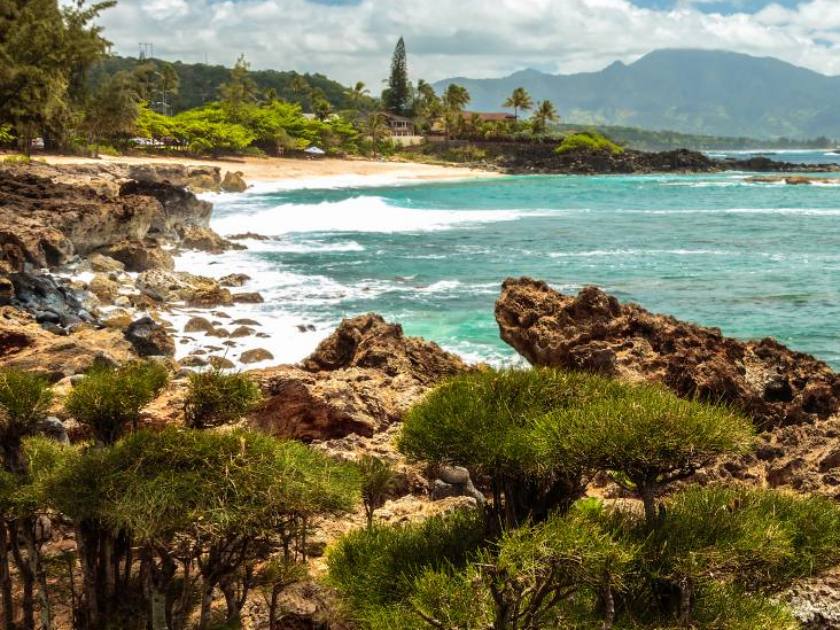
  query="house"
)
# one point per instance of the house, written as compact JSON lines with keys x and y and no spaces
{"x":400,"y":125}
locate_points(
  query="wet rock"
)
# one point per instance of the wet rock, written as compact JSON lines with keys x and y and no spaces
{"x":248,"y":298}
{"x":193,"y":360}
{"x":105,"y":289}
{"x":198,"y":324}
{"x":246,"y":322}
{"x":221,"y":363}
{"x":49,"y":299}
{"x":255,"y":356}
{"x":204,"y":239}
{"x":234,"y":280}
{"x":242,"y":331}
{"x":140,"y":256}
{"x":105,"y":264}
{"x":234,"y":182}
{"x":593,"y":331}
{"x":149,"y":338}
{"x":248,"y":236}
{"x":195,"y":291}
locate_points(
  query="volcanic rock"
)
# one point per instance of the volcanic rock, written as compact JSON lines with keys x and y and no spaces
{"x":104,"y":264}
{"x":248,"y":298}
{"x":234,"y":280}
{"x":140,"y":256}
{"x":150,"y":338}
{"x":593,"y":331}
{"x":204,"y":239}
{"x":255,"y":356}
{"x":359,"y":380}
{"x":234,"y":182}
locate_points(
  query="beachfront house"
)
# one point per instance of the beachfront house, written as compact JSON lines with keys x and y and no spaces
{"x":400,"y":125}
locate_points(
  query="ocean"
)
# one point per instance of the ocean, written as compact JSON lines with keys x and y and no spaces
{"x":754,"y":259}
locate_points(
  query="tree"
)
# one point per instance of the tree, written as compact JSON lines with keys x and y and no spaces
{"x":519,"y":99}
{"x":397,"y":97}
{"x":486,"y":421}
{"x":378,"y":480}
{"x":214,"y":397}
{"x":240,"y":89}
{"x":647,"y":435}
{"x":455,"y":98}
{"x":113,"y":110}
{"x":108,"y":399}
{"x":375,"y":126}
{"x":358,"y":93}
{"x":427,"y":104}
{"x":544,"y":114}
{"x":322,"y":108}
{"x":301,"y":89}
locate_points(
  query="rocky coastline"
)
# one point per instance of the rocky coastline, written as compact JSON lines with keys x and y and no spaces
{"x":87,"y":276}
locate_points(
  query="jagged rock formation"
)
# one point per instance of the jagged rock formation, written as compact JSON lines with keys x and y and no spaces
{"x":593,"y":331}
{"x":359,"y":380}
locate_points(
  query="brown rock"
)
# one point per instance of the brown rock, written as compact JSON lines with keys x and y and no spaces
{"x":234,"y":280}
{"x":204,"y":239}
{"x":255,"y":356}
{"x":234,"y":182}
{"x":360,"y":380}
{"x":221,"y":363}
{"x":105,"y":289}
{"x":593,"y":331}
{"x":198,"y":324}
{"x":242,"y":331}
{"x":248,"y":298}
{"x":150,"y":338}
{"x":104,"y":264}
{"x":140,"y":255}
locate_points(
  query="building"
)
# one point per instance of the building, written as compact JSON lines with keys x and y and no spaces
{"x":400,"y":125}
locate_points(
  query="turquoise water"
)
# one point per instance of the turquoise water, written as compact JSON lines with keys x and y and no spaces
{"x":754,"y":259}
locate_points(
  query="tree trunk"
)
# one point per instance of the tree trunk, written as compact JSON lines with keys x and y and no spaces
{"x":647,"y":494}
{"x":609,"y":607}
{"x":86,"y":539}
{"x":27,"y":577}
{"x":6,"y":579}
{"x":157,"y":599}
{"x":686,"y":597}
{"x":40,"y":574}
{"x":206,"y":605}
{"x":272,"y":607}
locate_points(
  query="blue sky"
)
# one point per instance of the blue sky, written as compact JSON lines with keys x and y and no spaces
{"x":352,"y":40}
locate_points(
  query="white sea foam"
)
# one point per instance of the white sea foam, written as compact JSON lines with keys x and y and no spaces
{"x":358,"y":214}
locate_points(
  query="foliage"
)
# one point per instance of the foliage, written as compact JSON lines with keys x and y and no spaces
{"x":6,"y":135}
{"x":240,"y":89}
{"x":519,"y":99}
{"x":215,"y":397}
{"x":107,"y":399}
{"x":544,"y":114}
{"x":397,"y":97}
{"x":378,"y":479}
{"x":486,"y":421}
{"x":25,"y":398}
{"x":588,"y":141}
{"x":647,"y":434}
{"x":376,"y":567}
{"x":112,"y":110}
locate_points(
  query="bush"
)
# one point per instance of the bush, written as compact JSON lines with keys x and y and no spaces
{"x":25,"y":398}
{"x":486,"y":421}
{"x":214,"y":397}
{"x":588,"y":141}
{"x":15,"y":160}
{"x":374,"y":569}
{"x":647,"y":435}
{"x":378,"y":479}
{"x":108,"y":399}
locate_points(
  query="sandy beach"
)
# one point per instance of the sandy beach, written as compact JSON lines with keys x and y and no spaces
{"x":256,"y":169}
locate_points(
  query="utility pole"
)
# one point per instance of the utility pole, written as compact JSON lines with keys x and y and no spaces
{"x":147,"y":50}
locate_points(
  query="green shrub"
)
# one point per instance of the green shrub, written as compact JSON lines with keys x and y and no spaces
{"x":485,"y":421}
{"x":646,"y":434}
{"x":14,"y":160}
{"x":25,"y":398}
{"x":468,"y":153}
{"x":588,"y":141}
{"x":375,"y":568}
{"x":214,"y":397}
{"x":378,"y":479}
{"x":108,"y":399}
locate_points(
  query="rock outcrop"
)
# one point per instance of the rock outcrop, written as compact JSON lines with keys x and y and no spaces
{"x":359,"y":380}
{"x":149,"y":338}
{"x":593,"y":331}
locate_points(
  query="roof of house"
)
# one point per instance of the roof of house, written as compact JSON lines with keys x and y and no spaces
{"x":397,"y":118}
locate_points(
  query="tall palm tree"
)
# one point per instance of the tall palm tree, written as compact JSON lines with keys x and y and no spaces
{"x":357,"y":93}
{"x":375,"y":126}
{"x":454,"y":100}
{"x":519,"y":99}
{"x":545,"y":113}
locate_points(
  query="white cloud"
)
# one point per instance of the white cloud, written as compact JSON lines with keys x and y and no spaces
{"x":462,"y":37}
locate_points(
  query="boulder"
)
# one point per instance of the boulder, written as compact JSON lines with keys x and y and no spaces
{"x":234,"y":280}
{"x":221,"y":363}
{"x":255,"y":356}
{"x":593,"y":331}
{"x":150,"y":338}
{"x":49,"y":299}
{"x":105,"y":289}
{"x":197,"y":291}
{"x":198,"y":324}
{"x":105,"y":264}
{"x":359,"y":380}
{"x":204,"y":239}
{"x":242,"y":331}
{"x":234,"y":182}
{"x":140,"y":256}
{"x":248,"y":298}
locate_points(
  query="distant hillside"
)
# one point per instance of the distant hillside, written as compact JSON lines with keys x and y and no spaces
{"x":199,"y":83}
{"x":690,"y":91}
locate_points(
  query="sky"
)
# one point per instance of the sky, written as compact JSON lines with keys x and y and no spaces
{"x":352,"y":40}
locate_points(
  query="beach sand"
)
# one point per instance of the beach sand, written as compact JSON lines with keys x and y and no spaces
{"x":257,"y":169}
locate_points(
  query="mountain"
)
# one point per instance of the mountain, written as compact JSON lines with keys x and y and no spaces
{"x":691,"y":91}
{"x":199,"y":83}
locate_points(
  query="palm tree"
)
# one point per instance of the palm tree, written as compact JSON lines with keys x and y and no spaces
{"x":375,"y":126}
{"x":357,"y":93}
{"x":545,"y":113}
{"x":454,"y":100}
{"x":519,"y":99}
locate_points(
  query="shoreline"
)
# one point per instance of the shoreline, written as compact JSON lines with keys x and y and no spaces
{"x":303,"y":173}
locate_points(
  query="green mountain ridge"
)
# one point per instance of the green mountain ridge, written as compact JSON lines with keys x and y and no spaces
{"x":689,"y":91}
